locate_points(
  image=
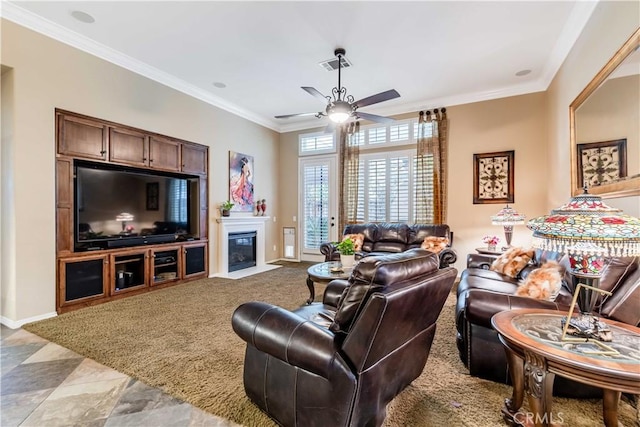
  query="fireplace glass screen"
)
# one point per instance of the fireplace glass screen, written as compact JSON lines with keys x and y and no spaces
{"x":242,"y":250}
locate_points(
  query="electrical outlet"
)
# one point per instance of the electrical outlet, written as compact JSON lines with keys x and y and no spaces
{"x":274,"y":219}
{"x":294,"y":218}
{"x":274,"y":248}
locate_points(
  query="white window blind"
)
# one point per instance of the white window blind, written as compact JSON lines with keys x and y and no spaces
{"x":376,"y":189}
{"x":399,"y":133}
{"x":399,"y":185}
{"x":386,"y":187}
{"x":316,"y":205}
{"x":316,"y":143}
{"x":377,"y":135}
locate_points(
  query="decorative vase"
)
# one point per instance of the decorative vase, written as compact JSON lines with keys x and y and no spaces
{"x":263,"y":206}
{"x":226,"y":212}
{"x":492,"y":248}
{"x":347,"y":261}
{"x":258,"y":208}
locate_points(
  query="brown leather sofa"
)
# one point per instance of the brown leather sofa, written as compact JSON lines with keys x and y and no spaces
{"x":383,"y":238}
{"x":482,"y":293}
{"x":340,"y":362}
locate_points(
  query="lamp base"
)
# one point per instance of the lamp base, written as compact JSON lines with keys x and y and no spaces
{"x":588,"y":326}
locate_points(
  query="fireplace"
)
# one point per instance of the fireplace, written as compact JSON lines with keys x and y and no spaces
{"x":242,"y":225}
{"x":242,"y":250}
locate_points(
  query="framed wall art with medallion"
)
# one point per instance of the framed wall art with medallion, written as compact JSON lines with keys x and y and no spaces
{"x":602,"y":162}
{"x":493,"y":177}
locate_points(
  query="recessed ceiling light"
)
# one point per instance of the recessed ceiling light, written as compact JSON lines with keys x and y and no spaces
{"x":219,"y":85}
{"x":523,"y":73}
{"x":83,"y":17}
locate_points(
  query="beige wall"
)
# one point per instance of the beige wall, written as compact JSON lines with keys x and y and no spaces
{"x":47,"y":75}
{"x":611,"y":24}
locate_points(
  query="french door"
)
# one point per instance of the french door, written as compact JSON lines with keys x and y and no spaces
{"x":318,"y":207}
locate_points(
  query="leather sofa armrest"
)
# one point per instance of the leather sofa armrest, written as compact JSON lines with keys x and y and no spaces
{"x":480,"y":261}
{"x":481,"y":305}
{"x":447,"y":257}
{"x":286,"y":336}
{"x":329,"y":251}
{"x":334,"y":291}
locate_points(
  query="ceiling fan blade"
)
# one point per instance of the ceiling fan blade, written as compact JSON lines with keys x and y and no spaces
{"x":378,"y":97}
{"x":286,"y":116}
{"x":315,"y":92}
{"x":375,"y":117}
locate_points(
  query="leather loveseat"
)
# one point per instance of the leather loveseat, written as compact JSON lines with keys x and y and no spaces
{"x":340,"y":362}
{"x":383,"y":238}
{"x":482,"y":293}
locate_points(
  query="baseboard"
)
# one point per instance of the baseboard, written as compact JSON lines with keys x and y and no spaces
{"x":16,"y":324}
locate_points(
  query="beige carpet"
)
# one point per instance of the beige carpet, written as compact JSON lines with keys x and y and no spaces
{"x":180,"y":339}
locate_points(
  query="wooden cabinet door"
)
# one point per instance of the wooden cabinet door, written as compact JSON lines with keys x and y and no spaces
{"x":82,"y":280}
{"x":128,"y":147}
{"x":79,"y":137}
{"x":194,"y":260}
{"x":194,"y":159}
{"x":164,"y":154}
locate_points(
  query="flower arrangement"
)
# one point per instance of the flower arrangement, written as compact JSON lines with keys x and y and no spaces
{"x":491,"y":240}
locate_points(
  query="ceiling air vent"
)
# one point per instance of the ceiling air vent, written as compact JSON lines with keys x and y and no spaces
{"x":332,"y":64}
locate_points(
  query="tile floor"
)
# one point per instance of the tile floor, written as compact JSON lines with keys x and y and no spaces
{"x":46,"y":385}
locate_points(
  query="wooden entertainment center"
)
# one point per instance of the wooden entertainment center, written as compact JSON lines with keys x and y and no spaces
{"x":94,"y":275}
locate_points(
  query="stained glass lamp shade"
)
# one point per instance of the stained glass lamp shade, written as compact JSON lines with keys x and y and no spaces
{"x":588,"y":230}
{"x":507,"y":217}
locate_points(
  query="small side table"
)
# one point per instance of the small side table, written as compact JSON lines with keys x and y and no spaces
{"x":535,"y":356}
{"x":324,"y":273}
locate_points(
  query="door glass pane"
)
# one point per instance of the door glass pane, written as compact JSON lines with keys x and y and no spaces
{"x":315,"y":205}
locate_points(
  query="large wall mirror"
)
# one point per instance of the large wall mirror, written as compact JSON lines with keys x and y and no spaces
{"x":605,"y":128}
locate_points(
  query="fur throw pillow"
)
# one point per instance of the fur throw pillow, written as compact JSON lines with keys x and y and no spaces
{"x":358,"y":240}
{"x":512,"y":261}
{"x":542,"y":283}
{"x":434,"y":243}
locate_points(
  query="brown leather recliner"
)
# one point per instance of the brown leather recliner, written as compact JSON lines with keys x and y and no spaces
{"x":340,"y":362}
{"x":382,"y":238}
{"x":482,"y":293}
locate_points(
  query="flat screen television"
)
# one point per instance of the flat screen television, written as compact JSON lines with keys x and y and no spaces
{"x":119,"y":206}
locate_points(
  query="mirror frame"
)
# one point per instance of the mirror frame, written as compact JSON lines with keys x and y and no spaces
{"x":624,"y":188}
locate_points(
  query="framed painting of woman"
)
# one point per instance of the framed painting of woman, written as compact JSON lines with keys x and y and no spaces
{"x":241,"y":181}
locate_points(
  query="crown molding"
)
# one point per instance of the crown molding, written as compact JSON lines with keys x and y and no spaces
{"x":30,"y":20}
{"x":580,"y":15}
{"x":445,"y":101}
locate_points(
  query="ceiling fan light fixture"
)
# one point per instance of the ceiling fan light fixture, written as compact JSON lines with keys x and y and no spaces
{"x":339,"y":111}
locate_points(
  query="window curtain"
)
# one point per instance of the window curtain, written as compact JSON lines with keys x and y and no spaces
{"x":431,"y":167}
{"x":349,"y":166}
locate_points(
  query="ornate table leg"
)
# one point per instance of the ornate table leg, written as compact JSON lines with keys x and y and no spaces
{"x":516,"y":373}
{"x":312,"y":290}
{"x":539,"y":385}
{"x":610,"y":400}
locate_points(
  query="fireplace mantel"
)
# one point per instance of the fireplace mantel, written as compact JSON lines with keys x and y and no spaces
{"x":239,"y":224}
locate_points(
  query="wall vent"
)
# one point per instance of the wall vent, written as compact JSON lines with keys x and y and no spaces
{"x":332,"y":64}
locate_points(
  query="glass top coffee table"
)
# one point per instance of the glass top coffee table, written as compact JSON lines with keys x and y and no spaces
{"x":324,"y":273}
{"x":536,"y":353}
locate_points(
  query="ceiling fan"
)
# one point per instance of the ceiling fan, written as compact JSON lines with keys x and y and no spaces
{"x":341,"y":107}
